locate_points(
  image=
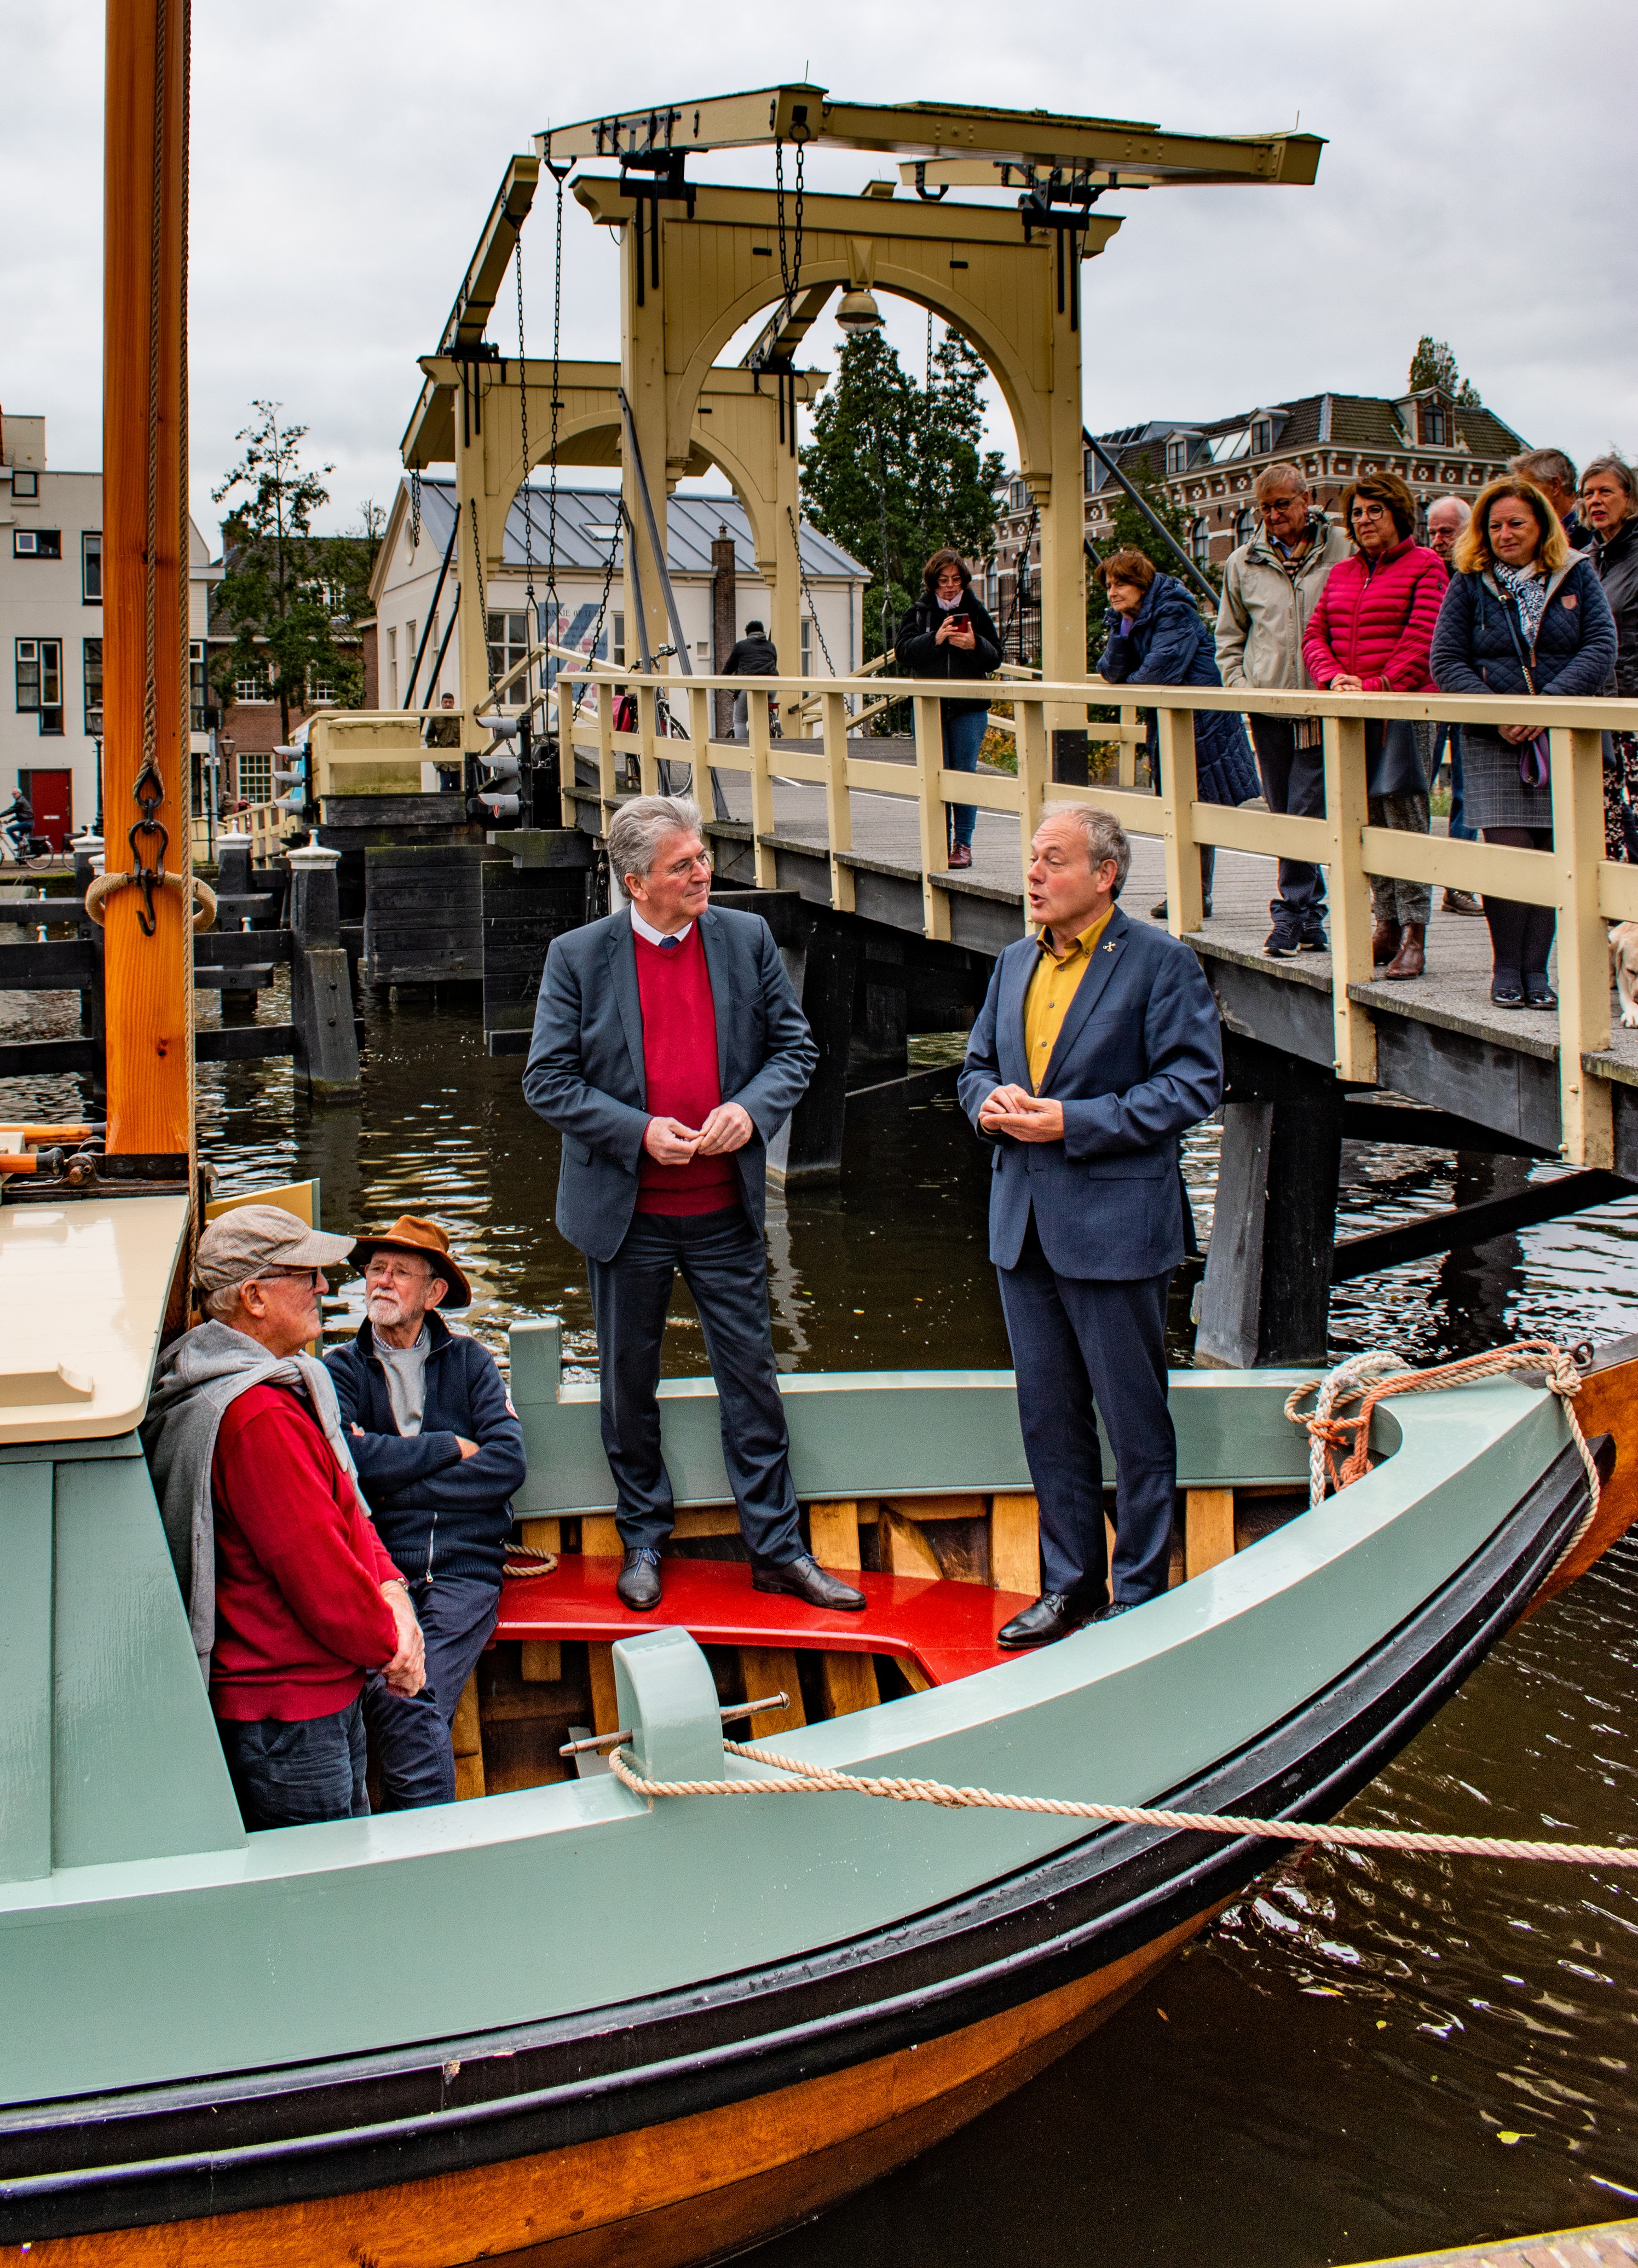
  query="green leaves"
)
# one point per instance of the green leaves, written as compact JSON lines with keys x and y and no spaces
{"x":1434,"y":364}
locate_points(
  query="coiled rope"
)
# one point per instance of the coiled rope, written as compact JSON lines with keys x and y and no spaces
{"x":104,"y":885}
{"x":818,"y":1779}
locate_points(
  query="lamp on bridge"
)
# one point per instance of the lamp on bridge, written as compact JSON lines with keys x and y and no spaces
{"x":857,"y":310}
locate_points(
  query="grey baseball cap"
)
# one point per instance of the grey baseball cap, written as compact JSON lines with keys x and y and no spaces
{"x":239,"y":1245}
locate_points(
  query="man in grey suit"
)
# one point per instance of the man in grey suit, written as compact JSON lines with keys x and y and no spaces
{"x":1097,"y":1045}
{"x":668,"y":1050}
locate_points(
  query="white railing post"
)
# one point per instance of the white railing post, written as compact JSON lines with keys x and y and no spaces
{"x":761,"y":788}
{"x":607,"y":787}
{"x":1345,"y":811}
{"x":1586,"y":1127}
{"x":1126,"y":751}
{"x":700,"y":701}
{"x":1179,"y":787}
{"x":563,"y":697}
{"x":648,"y":734}
{"x":837,"y":808}
{"x":930,"y":761}
{"x":1029,"y":740}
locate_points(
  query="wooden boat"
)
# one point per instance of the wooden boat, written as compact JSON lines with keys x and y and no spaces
{"x":555,"y":2022}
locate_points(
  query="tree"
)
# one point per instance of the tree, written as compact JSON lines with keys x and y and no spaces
{"x":286,"y":593}
{"x":1129,"y":531}
{"x":895,"y":470}
{"x":1434,"y":364}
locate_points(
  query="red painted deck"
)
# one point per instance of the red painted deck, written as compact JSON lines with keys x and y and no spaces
{"x":948,"y":1628}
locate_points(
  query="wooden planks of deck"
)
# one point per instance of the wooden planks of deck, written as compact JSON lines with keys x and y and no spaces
{"x":1605,"y":2245}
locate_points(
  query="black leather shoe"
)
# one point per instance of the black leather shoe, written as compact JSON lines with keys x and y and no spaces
{"x":805,"y":1579}
{"x":1120,"y":1607}
{"x":1054,"y":1615}
{"x":638,"y":1585}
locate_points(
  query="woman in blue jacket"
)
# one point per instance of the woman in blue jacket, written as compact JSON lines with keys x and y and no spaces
{"x":1523,"y":614}
{"x":1156,"y":636}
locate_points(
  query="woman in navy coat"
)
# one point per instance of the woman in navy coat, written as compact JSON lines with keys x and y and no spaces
{"x":1156,"y":636}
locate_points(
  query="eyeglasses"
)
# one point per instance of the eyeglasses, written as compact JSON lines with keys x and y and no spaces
{"x":281,"y":1275}
{"x":1370,"y":511}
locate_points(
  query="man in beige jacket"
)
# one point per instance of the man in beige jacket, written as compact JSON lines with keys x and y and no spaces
{"x":1270,"y":587}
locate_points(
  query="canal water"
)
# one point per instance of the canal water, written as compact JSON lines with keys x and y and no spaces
{"x":1365,"y":2056}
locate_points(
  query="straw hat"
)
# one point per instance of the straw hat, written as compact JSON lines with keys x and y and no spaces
{"x":408,"y":1233}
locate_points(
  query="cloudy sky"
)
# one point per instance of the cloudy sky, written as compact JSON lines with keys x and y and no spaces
{"x":345,"y":153}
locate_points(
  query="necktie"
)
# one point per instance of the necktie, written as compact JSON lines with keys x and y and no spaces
{"x":670,"y":944}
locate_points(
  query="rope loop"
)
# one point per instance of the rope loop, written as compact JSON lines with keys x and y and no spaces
{"x":104,"y":886}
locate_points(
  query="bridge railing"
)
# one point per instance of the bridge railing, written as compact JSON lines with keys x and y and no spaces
{"x":1588,"y":890}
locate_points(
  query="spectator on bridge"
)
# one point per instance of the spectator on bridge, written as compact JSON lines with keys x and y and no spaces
{"x":1609,"y":503}
{"x":1270,"y":587}
{"x":439,"y":1449}
{"x":1370,"y":633}
{"x":444,"y":731}
{"x":755,"y":655}
{"x":1523,"y":614}
{"x":1155,"y":636}
{"x":1447,"y":517}
{"x":1555,"y":475}
{"x":948,"y":633}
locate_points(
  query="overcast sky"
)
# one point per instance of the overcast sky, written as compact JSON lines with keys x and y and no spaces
{"x":345,"y":154}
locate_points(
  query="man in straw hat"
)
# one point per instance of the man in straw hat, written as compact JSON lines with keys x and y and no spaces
{"x":293,"y":1600}
{"x":440,"y":1450}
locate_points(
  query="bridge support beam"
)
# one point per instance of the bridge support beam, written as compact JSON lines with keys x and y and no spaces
{"x":1267,"y":1292}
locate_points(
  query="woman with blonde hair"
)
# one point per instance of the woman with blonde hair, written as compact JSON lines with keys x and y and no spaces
{"x":1525,"y":615}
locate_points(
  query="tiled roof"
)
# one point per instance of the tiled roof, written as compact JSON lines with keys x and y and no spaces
{"x":1348,"y":421}
{"x":586,"y":519}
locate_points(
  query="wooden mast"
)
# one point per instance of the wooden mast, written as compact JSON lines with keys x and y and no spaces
{"x":147,"y":782}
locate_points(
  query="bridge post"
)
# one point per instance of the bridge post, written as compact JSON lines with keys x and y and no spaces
{"x":1266,"y":1292}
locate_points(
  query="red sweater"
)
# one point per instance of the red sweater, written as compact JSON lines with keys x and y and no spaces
{"x":682,"y":1079}
{"x":299,"y":1568}
{"x":1374,"y":619}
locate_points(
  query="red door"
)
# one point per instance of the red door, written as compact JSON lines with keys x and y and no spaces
{"x":52,"y":795}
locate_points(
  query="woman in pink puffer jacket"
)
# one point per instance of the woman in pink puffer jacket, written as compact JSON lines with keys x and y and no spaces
{"x":1372,"y":631}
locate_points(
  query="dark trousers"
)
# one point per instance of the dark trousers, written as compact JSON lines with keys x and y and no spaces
{"x":1080,"y":1346}
{"x":290,"y":1775}
{"x":411,"y":1737}
{"x":723,"y":1264}
{"x":1294,"y":781}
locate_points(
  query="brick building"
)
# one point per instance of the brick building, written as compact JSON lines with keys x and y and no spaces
{"x":1208,"y":467}
{"x":250,"y":717}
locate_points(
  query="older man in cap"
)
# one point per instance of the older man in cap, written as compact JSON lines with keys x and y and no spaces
{"x":440,"y":1450}
{"x":293,"y":1600}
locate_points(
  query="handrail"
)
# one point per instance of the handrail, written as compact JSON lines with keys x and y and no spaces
{"x":1587,"y":889}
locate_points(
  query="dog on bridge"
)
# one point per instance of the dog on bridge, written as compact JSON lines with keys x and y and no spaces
{"x":1624,"y":969}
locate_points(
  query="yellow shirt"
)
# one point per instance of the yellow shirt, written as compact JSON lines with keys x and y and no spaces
{"x":1051,"y":988}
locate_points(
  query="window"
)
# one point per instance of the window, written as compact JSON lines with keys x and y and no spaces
{"x":25,"y":484}
{"x":196,"y":718}
{"x":1199,"y":541}
{"x":509,"y":642}
{"x":37,"y":543}
{"x":807,"y":645}
{"x":391,"y":667}
{"x":92,"y":652}
{"x":409,"y":642}
{"x":989,"y":586}
{"x":619,"y":654}
{"x":251,"y":687}
{"x":1178,"y":456}
{"x":319,"y":690}
{"x":1019,"y":496}
{"x":1223,"y":448}
{"x":40,"y":679}
{"x":1434,"y":431}
{"x":1246,"y":526}
{"x":90,"y":567}
{"x":255,"y":777}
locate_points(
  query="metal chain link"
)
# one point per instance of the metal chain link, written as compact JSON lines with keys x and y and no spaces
{"x":480,"y":593}
{"x":791,"y":262}
{"x":415,"y":508}
{"x":531,"y":623}
{"x":554,"y":606}
{"x":807,"y":591}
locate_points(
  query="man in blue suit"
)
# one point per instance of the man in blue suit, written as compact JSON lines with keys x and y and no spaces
{"x":668,"y":1050}
{"x":1097,"y":1045}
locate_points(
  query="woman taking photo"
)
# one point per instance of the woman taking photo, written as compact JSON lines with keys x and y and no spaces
{"x":1370,"y":632}
{"x":948,"y":633}
{"x":1609,"y":504}
{"x":1156,"y":636}
{"x":1523,"y":614}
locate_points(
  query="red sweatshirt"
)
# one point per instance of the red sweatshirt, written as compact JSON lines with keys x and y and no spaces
{"x":1374,"y":619}
{"x":299,"y":1568}
{"x":682,"y":1079}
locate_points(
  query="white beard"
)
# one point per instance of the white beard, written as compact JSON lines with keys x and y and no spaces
{"x":385,"y":1308}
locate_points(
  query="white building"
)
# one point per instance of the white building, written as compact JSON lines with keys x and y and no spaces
{"x":413,"y":617}
{"x":51,"y":630}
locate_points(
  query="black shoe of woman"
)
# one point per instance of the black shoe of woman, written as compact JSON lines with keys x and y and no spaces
{"x":1507,"y":989}
{"x":1538,"y":993}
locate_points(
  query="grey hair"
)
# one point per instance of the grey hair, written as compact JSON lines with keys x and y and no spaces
{"x":1618,"y":470}
{"x":638,"y":829}
{"x":1541,"y":465}
{"x":219,"y":1305}
{"x":1106,"y":837}
{"x":1461,"y":504}
{"x":1279,"y":476}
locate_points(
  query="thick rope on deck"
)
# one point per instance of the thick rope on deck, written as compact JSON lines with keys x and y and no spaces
{"x":818,"y":1779}
{"x":1369,"y":1378}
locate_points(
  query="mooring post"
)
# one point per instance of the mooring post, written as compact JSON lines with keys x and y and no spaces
{"x":1266,"y":1293}
{"x":321,"y":998}
{"x":87,"y":866}
{"x":239,"y":996}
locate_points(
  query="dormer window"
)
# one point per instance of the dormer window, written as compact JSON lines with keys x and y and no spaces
{"x":1433,"y":426}
{"x":1177,"y":455}
{"x":1262,"y":436}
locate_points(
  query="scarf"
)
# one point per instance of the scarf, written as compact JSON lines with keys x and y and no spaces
{"x":194,"y":1381}
{"x":1527,"y":587}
